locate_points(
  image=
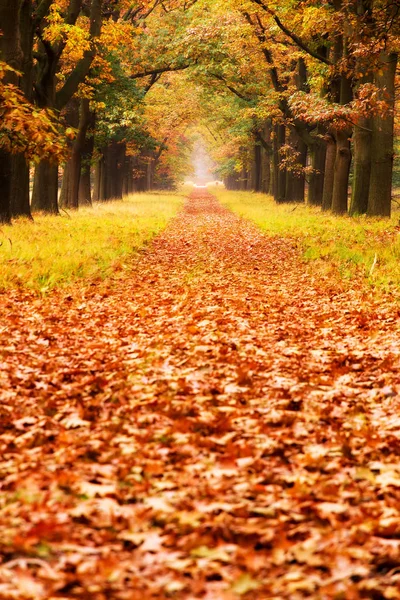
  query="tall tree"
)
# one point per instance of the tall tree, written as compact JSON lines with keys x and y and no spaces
{"x":11,"y":54}
{"x":52,"y":46}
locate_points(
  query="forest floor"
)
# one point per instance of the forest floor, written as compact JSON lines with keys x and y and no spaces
{"x":216,"y":423}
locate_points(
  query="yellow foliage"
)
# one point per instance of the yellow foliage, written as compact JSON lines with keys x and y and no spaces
{"x":25,"y":128}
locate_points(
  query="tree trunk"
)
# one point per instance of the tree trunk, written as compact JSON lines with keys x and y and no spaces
{"x":97,"y":181}
{"x":48,"y":65}
{"x":70,"y":180}
{"x":126,"y":176}
{"x":120,"y":175}
{"x":329,"y":174}
{"x":244,"y":179}
{"x":257,"y":168}
{"x":316,"y":181}
{"x":149,"y":173}
{"x":266,"y":172}
{"x":20,"y":204}
{"x":266,"y":159}
{"x":111,"y":171}
{"x":363,"y":128}
{"x":103,"y":173}
{"x":281,"y":188}
{"x":114,"y":159}
{"x":279,"y":175}
{"x":45,"y":185}
{"x":85,"y":189}
{"x":295,"y":180}
{"x":341,"y":91}
{"x":20,"y":201}
{"x":5,"y":186}
{"x":362,"y":167}
{"x":72,"y":173}
{"x":10,"y":52}
{"x":45,"y":188}
{"x":85,"y":192}
{"x":231,"y":182}
{"x":380,"y":192}
{"x":340,"y":190}
{"x":130,"y":176}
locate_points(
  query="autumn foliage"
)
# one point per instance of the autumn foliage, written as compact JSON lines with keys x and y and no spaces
{"x":26,"y":129}
{"x":293,"y":100}
{"x":217,"y":423}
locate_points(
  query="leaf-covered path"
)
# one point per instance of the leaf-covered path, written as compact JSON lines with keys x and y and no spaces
{"x":214,"y":423}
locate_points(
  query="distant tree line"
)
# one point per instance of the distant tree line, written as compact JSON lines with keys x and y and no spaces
{"x":291,"y":98}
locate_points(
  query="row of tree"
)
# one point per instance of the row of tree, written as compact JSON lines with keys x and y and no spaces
{"x":78,"y":71}
{"x":314,"y":82}
{"x":289,"y":97}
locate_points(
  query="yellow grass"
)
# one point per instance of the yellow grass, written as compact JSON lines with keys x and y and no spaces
{"x":86,"y":245}
{"x":354,"y":247}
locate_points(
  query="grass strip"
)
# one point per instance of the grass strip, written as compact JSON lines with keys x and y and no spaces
{"x":354,"y":247}
{"x":86,"y":245}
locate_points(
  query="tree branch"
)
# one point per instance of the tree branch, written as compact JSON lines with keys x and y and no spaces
{"x":231,"y":88}
{"x":81,"y":70}
{"x":42,"y":10}
{"x":299,"y":42}
{"x":262,"y":141}
{"x":159,"y":71}
{"x":295,"y":38}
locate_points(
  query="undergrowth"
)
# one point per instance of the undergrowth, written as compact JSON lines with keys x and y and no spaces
{"x":357,"y":247}
{"x":86,"y":245}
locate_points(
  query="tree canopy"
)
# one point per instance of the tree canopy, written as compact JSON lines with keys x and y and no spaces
{"x":296,"y":99}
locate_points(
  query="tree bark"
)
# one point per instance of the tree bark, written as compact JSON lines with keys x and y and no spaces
{"x":114,"y":156}
{"x":281,"y":189}
{"x":140,"y":179}
{"x":45,"y":188}
{"x":380,"y":191}
{"x":362,"y":167}
{"x":317,"y":153}
{"x":20,"y":201}
{"x":103,"y":177}
{"x":96,"y":181}
{"x":295,"y":181}
{"x":329,"y":173}
{"x":341,"y":172}
{"x":79,"y":116}
{"x":363,"y":128}
{"x":85,"y":192}
{"x":244,"y":179}
{"x":11,"y":53}
{"x":85,"y":188}
{"x":266,"y":159}
{"x":5,"y":187}
{"x":279,"y":175}
{"x":70,"y":180}
{"x":266,"y":172}
{"x":257,"y":168}
{"x":149,"y":173}
{"x":111,"y":172}
{"x":126,"y":176}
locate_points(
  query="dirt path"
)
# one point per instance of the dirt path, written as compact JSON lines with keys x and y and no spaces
{"x":213,"y":424}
